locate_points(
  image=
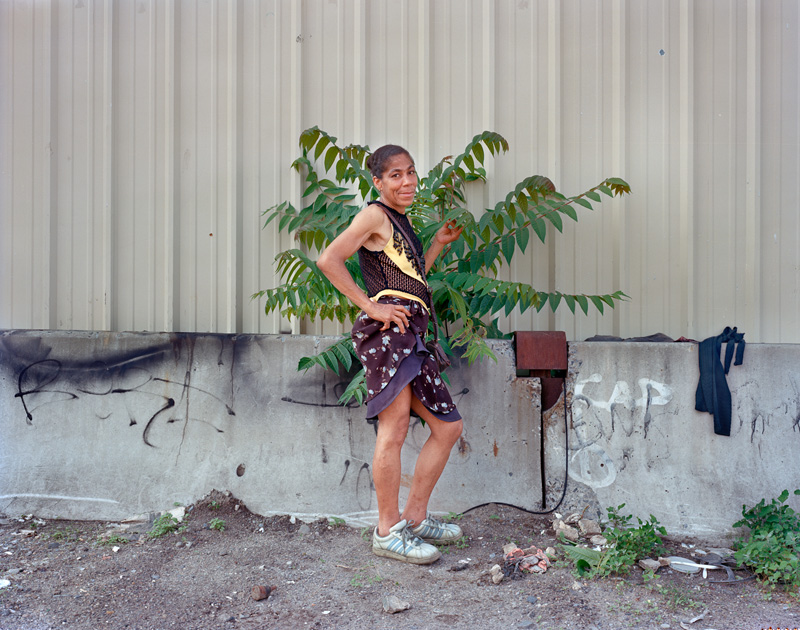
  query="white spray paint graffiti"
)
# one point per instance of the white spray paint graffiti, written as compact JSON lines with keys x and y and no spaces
{"x":595,"y":420}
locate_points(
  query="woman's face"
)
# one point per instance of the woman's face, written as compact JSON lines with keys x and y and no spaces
{"x":399,"y":182}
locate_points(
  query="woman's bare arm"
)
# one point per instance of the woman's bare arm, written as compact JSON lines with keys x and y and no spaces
{"x":332,"y":263}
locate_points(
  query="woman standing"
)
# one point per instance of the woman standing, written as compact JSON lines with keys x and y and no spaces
{"x":401,"y":375}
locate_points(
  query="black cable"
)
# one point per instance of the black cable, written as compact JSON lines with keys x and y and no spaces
{"x":566,"y":472}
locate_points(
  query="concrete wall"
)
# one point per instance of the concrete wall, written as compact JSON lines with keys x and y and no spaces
{"x":635,"y":437}
{"x":106,"y":426}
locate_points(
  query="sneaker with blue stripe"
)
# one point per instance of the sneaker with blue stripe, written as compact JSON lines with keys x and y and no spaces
{"x":432,"y":530}
{"x":401,"y":544}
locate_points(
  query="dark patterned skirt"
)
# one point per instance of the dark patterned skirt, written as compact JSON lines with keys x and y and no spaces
{"x":393,"y":360}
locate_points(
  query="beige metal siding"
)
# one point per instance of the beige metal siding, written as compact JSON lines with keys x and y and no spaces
{"x":141,"y":139}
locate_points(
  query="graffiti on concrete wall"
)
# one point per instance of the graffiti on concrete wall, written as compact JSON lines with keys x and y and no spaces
{"x":134,"y":389}
{"x":596,"y":418}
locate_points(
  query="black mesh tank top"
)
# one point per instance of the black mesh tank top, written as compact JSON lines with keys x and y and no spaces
{"x":381,"y":273}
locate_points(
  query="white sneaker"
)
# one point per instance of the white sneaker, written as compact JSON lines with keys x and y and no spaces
{"x":434,"y":530}
{"x":402,"y":545}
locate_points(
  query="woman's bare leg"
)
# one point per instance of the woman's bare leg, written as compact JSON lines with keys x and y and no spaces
{"x":392,"y":431}
{"x":431,"y":461}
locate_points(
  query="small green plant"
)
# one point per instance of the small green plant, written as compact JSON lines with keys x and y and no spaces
{"x":114,"y":539}
{"x":677,"y":597}
{"x":165,"y":524}
{"x":453,"y":516}
{"x":461,"y":543}
{"x":772,"y":550}
{"x":66,"y":534}
{"x":360,"y":580}
{"x":214,"y":505}
{"x":366,"y":533}
{"x":217,"y":523}
{"x":335,"y":521}
{"x":627,"y":544}
{"x":495,"y":517}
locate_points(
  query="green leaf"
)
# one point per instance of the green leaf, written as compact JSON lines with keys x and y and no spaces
{"x":356,"y":389}
{"x":308,"y":138}
{"x":330,"y":157}
{"x":570,"y":212}
{"x":508,"y":245}
{"x":522,"y":239}
{"x":555,"y":219}
{"x":540,"y":227}
{"x":477,"y":150}
{"x":323,"y":142}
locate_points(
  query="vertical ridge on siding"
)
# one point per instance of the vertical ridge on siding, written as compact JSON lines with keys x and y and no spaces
{"x":752,"y":173}
{"x":620,"y":275}
{"x":553,"y":160}
{"x":48,"y":170}
{"x":167,"y":197}
{"x":295,"y":86}
{"x":213,"y":220}
{"x":231,"y":272}
{"x":156,"y":213}
{"x":104,"y":202}
{"x":686,"y":188}
{"x":12,"y":275}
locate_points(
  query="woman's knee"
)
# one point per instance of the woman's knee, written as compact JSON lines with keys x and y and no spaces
{"x":449,"y":431}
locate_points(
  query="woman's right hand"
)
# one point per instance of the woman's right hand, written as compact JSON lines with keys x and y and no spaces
{"x":389,"y":314}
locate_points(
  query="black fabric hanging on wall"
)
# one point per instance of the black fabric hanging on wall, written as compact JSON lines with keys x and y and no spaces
{"x":713,"y":395}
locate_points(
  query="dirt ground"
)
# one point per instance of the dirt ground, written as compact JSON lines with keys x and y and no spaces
{"x":73,"y":575}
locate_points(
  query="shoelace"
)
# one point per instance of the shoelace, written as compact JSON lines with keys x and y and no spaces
{"x":408,"y":537}
{"x":436,"y":522}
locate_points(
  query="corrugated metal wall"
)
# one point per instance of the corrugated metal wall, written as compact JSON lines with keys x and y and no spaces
{"x":141,"y":139}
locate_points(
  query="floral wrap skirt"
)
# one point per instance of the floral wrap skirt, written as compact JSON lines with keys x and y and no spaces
{"x":393,"y":360}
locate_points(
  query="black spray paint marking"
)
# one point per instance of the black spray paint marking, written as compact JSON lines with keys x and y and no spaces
{"x":310,"y":404}
{"x":648,"y":417}
{"x":36,"y":379}
{"x":344,"y":474}
{"x":40,"y":387}
{"x":364,"y":486}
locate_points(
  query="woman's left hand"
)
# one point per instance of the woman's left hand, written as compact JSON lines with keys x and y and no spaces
{"x":448,"y":233}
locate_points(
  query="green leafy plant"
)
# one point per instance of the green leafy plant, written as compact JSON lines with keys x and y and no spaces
{"x":165,"y":524}
{"x":467,"y":294}
{"x":461,"y":543}
{"x":114,"y":539}
{"x":335,"y":521}
{"x":69,"y":534}
{"x":217,"y":523}
{"x":772,"y":549}
{"x":627,"y":545}
{"x":676,"y":597}
{"x":361,"y":580}
{"x":214,"y":505}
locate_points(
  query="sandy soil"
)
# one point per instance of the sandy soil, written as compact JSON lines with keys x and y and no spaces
{"x":71,"y":575}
